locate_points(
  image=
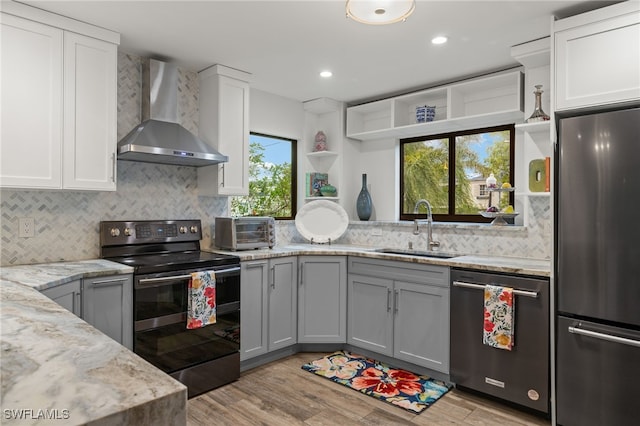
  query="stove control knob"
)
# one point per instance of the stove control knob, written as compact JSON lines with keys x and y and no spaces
{"x":194,"y":229}
{"x":115,"y":232}
{"x":128,"y":232}
{"x":183,"y":229}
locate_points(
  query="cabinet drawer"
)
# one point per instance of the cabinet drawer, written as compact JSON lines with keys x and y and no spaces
{"x":395,"y":270}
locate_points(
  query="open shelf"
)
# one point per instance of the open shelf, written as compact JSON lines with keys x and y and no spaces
{"x":482,"y":102}
{"x":322,"y":154}
{"x":321,"y":198}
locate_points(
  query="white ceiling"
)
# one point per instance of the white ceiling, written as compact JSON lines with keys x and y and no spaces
{"x":285,"y":44}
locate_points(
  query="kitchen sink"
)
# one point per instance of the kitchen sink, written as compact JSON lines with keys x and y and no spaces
{"x":416,"y":253}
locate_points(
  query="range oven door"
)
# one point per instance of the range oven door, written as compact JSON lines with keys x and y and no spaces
{"x":160,"y":318}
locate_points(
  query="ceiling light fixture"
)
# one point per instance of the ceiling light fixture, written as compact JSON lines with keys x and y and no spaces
{"x":326,"y":74}
{"x":380,"y":12}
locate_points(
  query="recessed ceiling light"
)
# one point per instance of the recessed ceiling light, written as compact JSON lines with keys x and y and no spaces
{"x":439,"y":40}
{"x":326,"y":74}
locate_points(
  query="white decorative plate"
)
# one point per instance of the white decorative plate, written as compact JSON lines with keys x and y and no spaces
{"x":322,"y":221}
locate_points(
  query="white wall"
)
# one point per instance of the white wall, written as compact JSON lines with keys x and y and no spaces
{"x":378,"y":159}
{"x":275,"y":115}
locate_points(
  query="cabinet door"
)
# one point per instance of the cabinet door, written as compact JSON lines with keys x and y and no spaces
{"x":234,"y":137}
{"x":67,"y":295}
{"x":90,"y":107}
{"x":283,"y":302}
{"x":322,"y":299}
{"x":224,"y":123}
{"x":421,"y":328}
{"x":370,"y":313}
{"x":598,"y":63}
{"x":107,"y":304}
{"x":31,"y":131}
{"x":253,"y":308}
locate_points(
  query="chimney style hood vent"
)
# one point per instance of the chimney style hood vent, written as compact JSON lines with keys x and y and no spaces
{"x":159,"y":138}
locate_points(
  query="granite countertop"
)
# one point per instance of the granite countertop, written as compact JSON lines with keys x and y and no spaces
{"x":512,"y":265}
{"x":58,"y":369}
{"x":47,"y":275}
{"x":55,"y":364}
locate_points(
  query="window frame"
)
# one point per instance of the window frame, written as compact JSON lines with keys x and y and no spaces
{"x":294,"y":171}
{"x":451,"y":136}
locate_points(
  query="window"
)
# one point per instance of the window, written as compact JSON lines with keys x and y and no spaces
{"x":272,"y":179}
{"x":450,"y":171}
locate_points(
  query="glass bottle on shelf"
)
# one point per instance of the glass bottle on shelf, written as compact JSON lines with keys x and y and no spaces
{"x":538,"y":114}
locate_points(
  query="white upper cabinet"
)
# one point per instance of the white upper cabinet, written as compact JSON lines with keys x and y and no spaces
{"x":90,"y":107}
{"x":597,"y":57}
{"x":224,"y":123}
{"x":59,"y":94}
{"x":31,"y":104}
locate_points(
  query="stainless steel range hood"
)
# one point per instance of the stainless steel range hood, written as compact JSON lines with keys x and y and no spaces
{"x":159,"y":138}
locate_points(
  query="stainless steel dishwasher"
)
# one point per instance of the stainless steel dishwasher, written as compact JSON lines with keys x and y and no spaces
{"x":520,"y":375}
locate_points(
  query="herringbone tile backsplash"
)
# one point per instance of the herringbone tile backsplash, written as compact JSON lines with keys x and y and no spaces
{"x":67,"y":222}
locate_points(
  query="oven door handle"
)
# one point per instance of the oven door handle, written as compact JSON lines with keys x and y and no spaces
{"x":152,"y":281}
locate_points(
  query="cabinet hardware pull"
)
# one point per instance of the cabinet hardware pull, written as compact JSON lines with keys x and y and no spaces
{"x":395,"y":301}
{"x":388,"y":299}
{"x":273,"y":277}
{"x":78,"y":306}
{"x":604,"y":336}
{"x":524,"y":293}
{"x":222,"y":180}
{"x":113,"y":167}
{"x":301,"y":272}
{"x":119,"y":280}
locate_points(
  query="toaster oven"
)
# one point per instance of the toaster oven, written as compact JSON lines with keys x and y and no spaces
{"x":245,"y":233}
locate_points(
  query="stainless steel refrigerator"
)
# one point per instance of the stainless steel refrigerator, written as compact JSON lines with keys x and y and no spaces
{"x":598,"y":269}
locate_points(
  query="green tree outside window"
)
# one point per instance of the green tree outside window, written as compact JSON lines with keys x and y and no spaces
{"x":271,"y":179}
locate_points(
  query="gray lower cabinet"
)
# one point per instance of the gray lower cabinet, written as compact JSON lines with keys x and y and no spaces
{"x":107,"y":304}
{"x":67,"y":295}
{"x":254,"y":308}
{"x":370,"y":313}
{"x":283,"y":302}
{"x":268,"y":312}
{"x":400,"y":309}
{"x":322,"y":299}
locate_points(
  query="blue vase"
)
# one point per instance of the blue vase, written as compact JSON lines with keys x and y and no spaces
{"x":363,"y":203}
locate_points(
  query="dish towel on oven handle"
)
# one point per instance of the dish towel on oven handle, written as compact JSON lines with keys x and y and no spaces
{"x":499,"y":314}
{"x":201,"y":300}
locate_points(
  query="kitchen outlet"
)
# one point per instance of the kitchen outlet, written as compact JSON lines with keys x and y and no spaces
{"x":27,"y":227}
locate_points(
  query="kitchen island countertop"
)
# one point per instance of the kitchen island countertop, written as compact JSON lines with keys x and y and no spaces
{"x":57,"y":369}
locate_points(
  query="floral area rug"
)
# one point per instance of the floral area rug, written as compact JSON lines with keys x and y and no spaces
{"x":395,"y":386}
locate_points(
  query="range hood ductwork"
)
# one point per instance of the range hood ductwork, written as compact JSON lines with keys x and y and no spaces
{"x":159,"y":138}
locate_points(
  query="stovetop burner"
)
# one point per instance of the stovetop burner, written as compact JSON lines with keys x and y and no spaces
{"x":164,"y":262}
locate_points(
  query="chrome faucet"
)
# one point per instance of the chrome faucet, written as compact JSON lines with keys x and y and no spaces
{"x":432,"y":244}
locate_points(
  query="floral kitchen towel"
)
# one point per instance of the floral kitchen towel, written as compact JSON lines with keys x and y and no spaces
{"x":498,"y":317}
{"x":201,"y":300}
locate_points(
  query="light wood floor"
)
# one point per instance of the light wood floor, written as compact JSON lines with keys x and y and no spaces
{"x":282,"y":393}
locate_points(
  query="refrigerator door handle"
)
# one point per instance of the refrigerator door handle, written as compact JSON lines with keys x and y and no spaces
{"x":603,"y":336}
